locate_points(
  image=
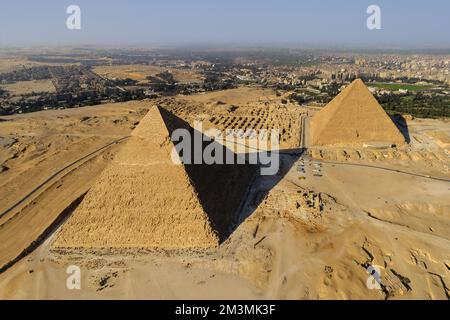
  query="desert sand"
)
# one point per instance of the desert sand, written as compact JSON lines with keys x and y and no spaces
{"x":140,"y":73}
{"x":23,"y":87}
{"x":296,"y":235}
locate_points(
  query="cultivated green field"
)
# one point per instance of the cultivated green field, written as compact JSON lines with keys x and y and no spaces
{"x":400,"y":86}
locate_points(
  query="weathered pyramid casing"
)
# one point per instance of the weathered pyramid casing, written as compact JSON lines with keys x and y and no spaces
{"x":141,"y":200}
{"x":354,"y":117}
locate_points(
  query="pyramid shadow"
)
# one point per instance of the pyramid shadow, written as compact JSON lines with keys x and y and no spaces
{"x":402,"y":125}
{"x":264,"y":184}
{"x":222,"y":189}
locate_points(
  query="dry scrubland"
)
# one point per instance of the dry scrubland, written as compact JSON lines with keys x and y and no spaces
{"x":291,"y":238}
{"x":23,"y":87}
{"x":10,"y":63}
{"x":141,"y":72}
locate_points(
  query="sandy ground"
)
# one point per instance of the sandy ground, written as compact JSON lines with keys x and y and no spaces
{"x":10,"y":63}
{"x":42,"y":145}
{"x":141,"y":72}
{"x":23,"y":87}
{"x":300,"y":235}
{"x":238,"y":96}
{"x":247,"y":109}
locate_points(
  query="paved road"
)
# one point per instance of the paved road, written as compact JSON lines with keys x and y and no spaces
{"x":303,"y":133}
{"x":386,"y":169}
{"x":40,"y":186}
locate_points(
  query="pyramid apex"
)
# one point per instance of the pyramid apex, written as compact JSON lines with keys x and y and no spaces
{"x":354,"y":116}
{"x":356,"y":87}
{"x":152,"y":126}
{"x":357,"y":83}
{"x":141,"y":199}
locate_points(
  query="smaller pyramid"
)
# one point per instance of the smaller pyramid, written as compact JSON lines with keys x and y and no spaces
{"x":142,"y":199}
{"x":354,"y":117}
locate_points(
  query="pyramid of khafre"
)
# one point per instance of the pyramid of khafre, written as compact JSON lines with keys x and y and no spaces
{"x":141,"y":200}
{"x":354,"y":117}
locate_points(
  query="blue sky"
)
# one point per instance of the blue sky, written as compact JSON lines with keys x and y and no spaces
{"x":410,"y":23}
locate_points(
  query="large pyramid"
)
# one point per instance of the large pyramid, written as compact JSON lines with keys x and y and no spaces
{"x":142,"y":199}
{"x":354,"y":117}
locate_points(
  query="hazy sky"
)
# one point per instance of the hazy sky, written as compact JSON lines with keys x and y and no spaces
{"x":423,"y":23}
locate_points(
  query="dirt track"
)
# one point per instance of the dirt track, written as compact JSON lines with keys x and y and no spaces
{"x":49,"y":190}
{"x":310,"y":238}
{"x":57,"y":173}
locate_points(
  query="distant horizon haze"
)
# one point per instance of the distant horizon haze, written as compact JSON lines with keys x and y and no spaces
{"x":325,"y":24}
